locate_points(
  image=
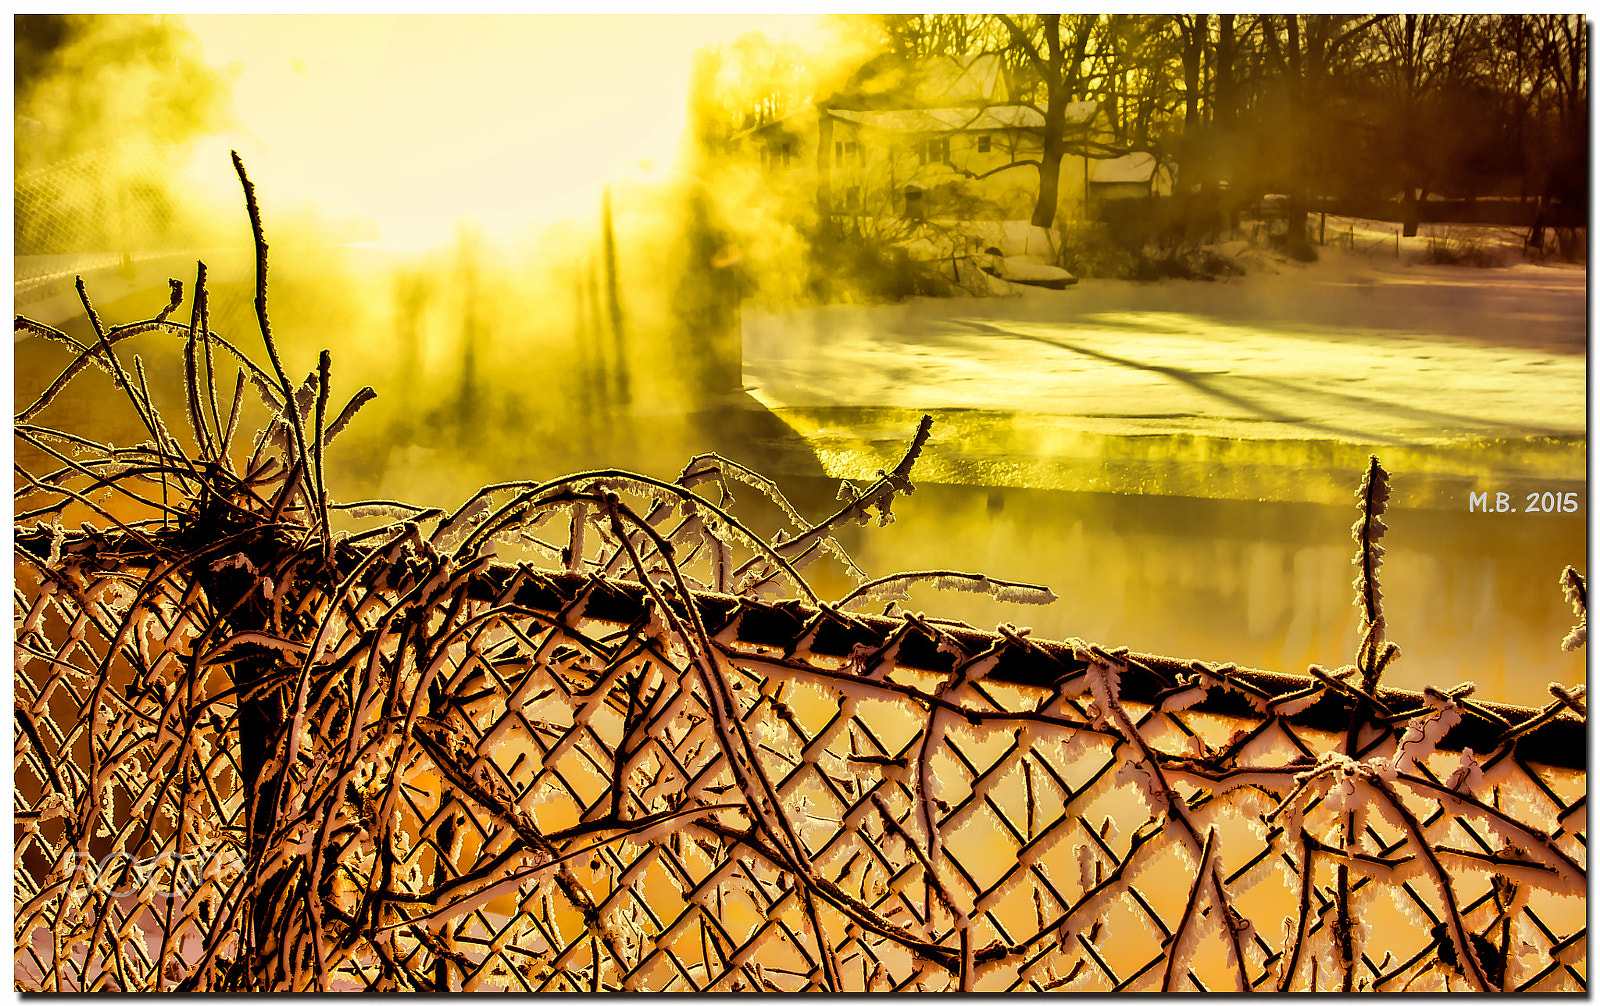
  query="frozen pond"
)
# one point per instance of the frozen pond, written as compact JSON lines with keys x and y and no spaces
{"x":1394,"y":356}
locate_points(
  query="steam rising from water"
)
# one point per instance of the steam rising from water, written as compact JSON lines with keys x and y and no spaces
{"x":432,"y":190}
{"x":86,"y":82}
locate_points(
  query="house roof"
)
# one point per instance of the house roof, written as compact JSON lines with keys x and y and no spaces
{"x":947,"y":80}
{"x":951,"y":120}
{"x":1136,"y":167}
{"x":785,"y":122}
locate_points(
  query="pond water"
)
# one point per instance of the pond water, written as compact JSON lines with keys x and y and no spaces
{"x":1468,"y":596}
{"x":1178,"y":461}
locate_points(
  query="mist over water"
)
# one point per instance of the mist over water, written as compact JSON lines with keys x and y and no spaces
{"x":1260,"y":584}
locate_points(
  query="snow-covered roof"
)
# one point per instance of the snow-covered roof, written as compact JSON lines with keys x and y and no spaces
{"x":1136,"y":167}
{"x":950,"y":120}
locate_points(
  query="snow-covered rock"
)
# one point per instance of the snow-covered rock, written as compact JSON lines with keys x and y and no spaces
{"x":1017,"y":269}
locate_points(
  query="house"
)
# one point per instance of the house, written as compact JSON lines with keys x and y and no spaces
{"x":939,"y":139}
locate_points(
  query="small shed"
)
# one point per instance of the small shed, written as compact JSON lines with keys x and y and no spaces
{"x":1131,"y":176}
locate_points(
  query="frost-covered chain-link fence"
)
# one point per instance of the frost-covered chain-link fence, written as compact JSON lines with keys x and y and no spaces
{"x":494,"y":789}
{"x":595,"y":733}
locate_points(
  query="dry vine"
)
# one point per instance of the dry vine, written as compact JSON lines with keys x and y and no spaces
{"x":259,"y":751}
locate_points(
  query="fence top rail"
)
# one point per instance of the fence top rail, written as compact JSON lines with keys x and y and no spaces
{"x":1551,"y":735}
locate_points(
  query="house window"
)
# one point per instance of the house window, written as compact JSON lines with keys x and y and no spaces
{"x":983,"y":144}
{"x":838,"y":151}
{"x":852,"y":149}
{"x":934,"y":151}
{"x":852,"y":199}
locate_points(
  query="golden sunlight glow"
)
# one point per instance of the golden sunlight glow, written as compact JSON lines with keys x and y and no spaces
{"x":419,"y":121}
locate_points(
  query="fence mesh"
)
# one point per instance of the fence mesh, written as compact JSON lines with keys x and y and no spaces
{"x":548,"y":801}
{"x":632,"y":750}
{"x":100,"y":209}
{"x":105,"y":199}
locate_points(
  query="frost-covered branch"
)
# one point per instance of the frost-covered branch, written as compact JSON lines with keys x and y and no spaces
{"x":1373,"y":497}
{"x":1572,"y":588}
{"x":894,"y":587}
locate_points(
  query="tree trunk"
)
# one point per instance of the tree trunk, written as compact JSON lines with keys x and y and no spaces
{"x":1195,"y":169}
{"x":1296,"y":243}
{"x":1299,"y":106}
{"x":1223,"y":113}
{"x":1225,"y":98}
{"x":608,"y":242}
{"x":1410,"y":209}
{"x":236,"y":594}
{"x":824,"y":166}
{"x":1410,"y":215}
{"x":1535,"y":239}
{"x":1194,"y":47}
{"x":1055,"y":127}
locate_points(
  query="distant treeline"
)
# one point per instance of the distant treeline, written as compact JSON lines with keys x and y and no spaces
{"x":1359,"y":108}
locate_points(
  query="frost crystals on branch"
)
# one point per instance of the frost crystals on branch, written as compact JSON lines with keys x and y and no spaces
{"x":1572,"y":589}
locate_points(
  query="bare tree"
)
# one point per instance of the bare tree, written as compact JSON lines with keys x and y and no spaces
{"x":1426,"y":55}
{"x":1134,"y":65}
{"x":1545,"y":68}
{"x":1052,"y":48}
{"x":1309,"y":52}
{"x":922,"y":36}
{"x":1193,"y":35}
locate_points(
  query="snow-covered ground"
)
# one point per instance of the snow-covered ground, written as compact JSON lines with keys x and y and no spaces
{"x":1354,"y":350}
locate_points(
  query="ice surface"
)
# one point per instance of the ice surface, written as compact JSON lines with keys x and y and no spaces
{"x":1333,"y":350}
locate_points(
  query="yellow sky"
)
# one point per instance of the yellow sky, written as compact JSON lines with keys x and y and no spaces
{"x":414,"y":120}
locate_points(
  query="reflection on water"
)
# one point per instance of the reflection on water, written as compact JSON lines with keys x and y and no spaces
{"x":1467,"y":596}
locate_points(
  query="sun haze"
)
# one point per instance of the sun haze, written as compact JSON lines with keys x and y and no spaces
{"x":417,"y":121}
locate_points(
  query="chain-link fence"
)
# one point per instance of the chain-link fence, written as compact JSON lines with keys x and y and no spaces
{"x":570,"y":737}
{"x":99,"y":209}
{"x":509,"y":792}
{"x":104,"y":200}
